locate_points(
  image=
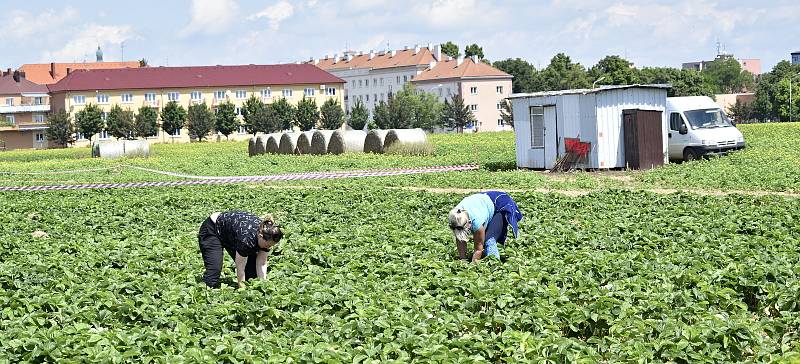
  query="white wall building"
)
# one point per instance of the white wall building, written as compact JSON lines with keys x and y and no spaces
{"x":374,"y":76}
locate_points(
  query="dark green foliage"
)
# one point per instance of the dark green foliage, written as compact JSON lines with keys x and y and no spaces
{"x":455,"y":114}
{"x":563,"y":74}
{"x":173,"y":117}
{"x":120,"y":123}
{"x":307,"y":115}
{"x":331,"y":114}
{"x":473,"y":50}
{"x":252,"y":113}
{"x":146,"y":122}
{"x":359,"y":116}
{"x":60,"y":129}
{"x":225,"y":119}
{"x":450,"y":49}
{"x":200,"y":121}
{"x":89,"y":121}
{"x":614,"y":70}
{"x":285,"y":113}
{"x":525,"y":75}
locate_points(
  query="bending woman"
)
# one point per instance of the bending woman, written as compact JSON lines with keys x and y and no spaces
{"x":485,"y":216}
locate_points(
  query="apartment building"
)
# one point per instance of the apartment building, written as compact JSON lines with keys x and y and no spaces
{"x":374,"y":76}
{"x":24,"y":106}
{"x":154,"y":87}
{"x":482,"y":87}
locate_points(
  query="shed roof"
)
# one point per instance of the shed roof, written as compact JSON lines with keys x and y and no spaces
{"x":584,"y":91}
{"x":203,"y":76}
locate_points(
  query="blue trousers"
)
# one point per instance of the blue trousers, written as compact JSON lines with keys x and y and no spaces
{"x":493,"y":231}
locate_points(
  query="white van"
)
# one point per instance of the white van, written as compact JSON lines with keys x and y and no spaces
{"x":699,"y":127}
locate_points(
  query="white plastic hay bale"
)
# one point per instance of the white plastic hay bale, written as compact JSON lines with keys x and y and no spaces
{"x":271,"y":147}
{"x":347,"y":142}
{"x":320,"y":141}
{"x":405,"y":136}
{"x":288,"y":143}
{"x":304,"y":142}
{"x":261,"y":145}
{"x":125,"y":148}
{"x":374,"y":141}
{"x":251,"y":147}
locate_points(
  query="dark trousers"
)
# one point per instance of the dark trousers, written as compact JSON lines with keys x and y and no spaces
{"x":211,"y":247}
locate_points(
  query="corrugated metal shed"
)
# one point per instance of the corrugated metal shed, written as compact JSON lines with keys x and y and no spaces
{"x":543,"y":120}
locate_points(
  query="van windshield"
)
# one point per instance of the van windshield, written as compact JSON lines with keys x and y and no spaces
{"x":707,"y":118}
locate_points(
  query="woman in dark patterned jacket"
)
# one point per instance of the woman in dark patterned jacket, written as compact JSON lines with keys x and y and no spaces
{"x":247,"y":239}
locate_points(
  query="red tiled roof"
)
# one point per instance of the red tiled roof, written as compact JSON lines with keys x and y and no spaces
{"x":204,"y":76}
{"x":401,"y":58}
{"x":41,"y":73}
{"x":10,"y":87}
{"x":467,"y":69}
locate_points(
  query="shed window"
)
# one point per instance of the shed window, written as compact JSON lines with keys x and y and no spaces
{"x":537,"y":127}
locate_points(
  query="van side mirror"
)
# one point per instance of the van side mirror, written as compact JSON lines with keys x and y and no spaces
{"x":682,"y":129}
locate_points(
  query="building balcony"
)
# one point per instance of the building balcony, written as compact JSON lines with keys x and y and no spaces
{"x":13,"y":109}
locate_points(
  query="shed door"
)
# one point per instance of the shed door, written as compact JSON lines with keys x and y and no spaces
{"x":543,"y":151}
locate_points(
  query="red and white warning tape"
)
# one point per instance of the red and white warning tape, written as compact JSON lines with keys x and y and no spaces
{"x":249,"y":179}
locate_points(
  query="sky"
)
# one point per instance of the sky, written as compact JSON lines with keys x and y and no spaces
{"x":209,"y":32}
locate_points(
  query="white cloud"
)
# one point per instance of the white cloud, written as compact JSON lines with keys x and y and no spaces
{"x":275,"y":14}
{"x":443,"y":14}
{"x":211,"y":16}
{"x":24,"y":25}
{"x":83,"y":45}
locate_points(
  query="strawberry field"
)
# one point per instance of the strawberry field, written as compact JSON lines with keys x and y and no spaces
{"x":368,"y":269}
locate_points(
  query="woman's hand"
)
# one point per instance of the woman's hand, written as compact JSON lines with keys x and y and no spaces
{"x":478,"y":239}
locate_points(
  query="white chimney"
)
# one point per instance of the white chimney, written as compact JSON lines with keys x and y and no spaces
{"x":336,"y":58}
{"x":371,"y":54}
{"x":327,"y":56}
{"x":316,"y":61}
{"x":394,"y":52}
{"x":432,"y":64}
{"x":405,"y":48}
{"x":430,"y":46}
{"x":416,"y":49}
{"x":449,"y":58}
{"x":459,"y":61}
{"x":437,"y":52}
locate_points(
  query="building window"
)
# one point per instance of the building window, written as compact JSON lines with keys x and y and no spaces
{"x":102,"y":99}
{"x":10,"y":119}
{"x":9,"y":101}
{"x":398,"y":80}
{"x":241,"y":94}
{"x":173,"y":96}
{"x":499,"y":106}
{"x":242,"y":129}
{"x":375,"y":82}
{"x":196,"y":95}
{"x":309,"y":91}
{"x":266,"y":93}
{"x":79,"y":136}
{"x":537,"y":126}
{"x":330,"y":91}
{"x":238,"y":111}
{"x":473,"y":107}
{"x":127,"y":98}
{"x":375,"y":97}
{"x":473,"y":90}
{"x":360,"y":84}
{"x":219,"y":95}
{"x":383,"y":97}
{"x":175,"y":133}
{"x":38,"y":118}
{"x":500,"y":122}
{"x":381,"y":81}
{"x":104,"y":115}
{"x":499,"y":90}
{"x":38,"y":100}
{"x":104,"y":134}
{"x":150,"y":97}
{"x":405,"y":79}
{"x":367,"y":97}
{"x":287,"y":92}
{"x":353,"y":82}
{"x":77,"y":99}
{"x":39,"y":137}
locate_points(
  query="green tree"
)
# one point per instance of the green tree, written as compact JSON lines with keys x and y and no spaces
{"x":563,"y":74}
{"x":684,"y":82}
{"x":200,"y":121}
{"x":146,"y":122}
{"x":90,"y":121}
{"x":525,"y":75}
{"x":506,"y":112}
{"x":307,"y":115}
{"x":473,"y":50}
{"x":60,"y":129}
{"x":120,"y":123}
{"x":410,"y":108}
{"x":359,"y":116}
{"x":740,"y":111}
{"x":450,"y":49}
{"x":726,"y":76}
{"x":285,"y":113}
{"x":614,"y":70}
{"x":143,"y":63}
{"x":252,"y":107}
{"x":457,"y":115}
{"x":264,"y":120}
{"x":381,"y":115}
{"x":769,"y":102}
{"x":331,"y":114}
{"x":225,"y":120}
{"x":173,"y":117}
{"x":782,"y":99}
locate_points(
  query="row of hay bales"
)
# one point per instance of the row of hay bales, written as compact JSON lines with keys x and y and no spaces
{"x":333,"y":142}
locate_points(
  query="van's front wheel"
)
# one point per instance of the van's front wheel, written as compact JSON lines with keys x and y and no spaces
{"x":689,"y":154}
